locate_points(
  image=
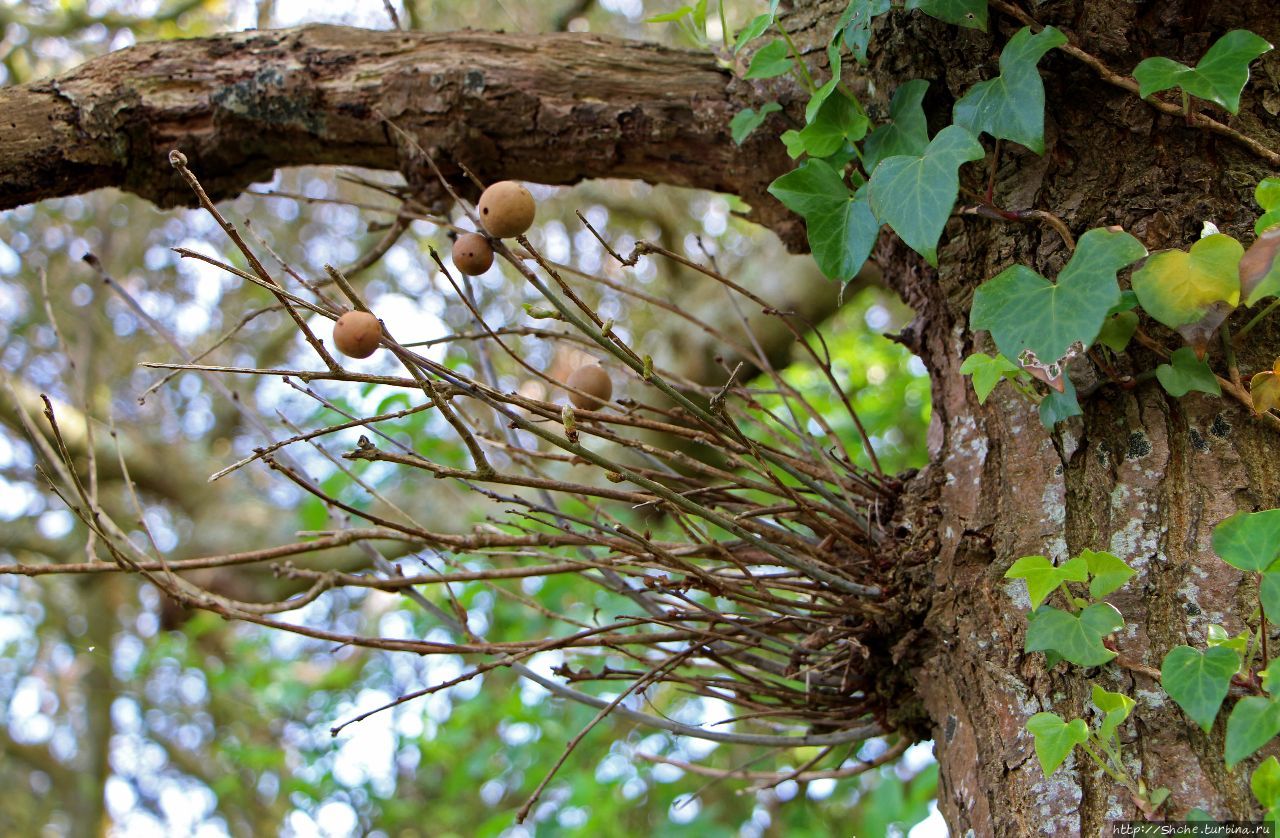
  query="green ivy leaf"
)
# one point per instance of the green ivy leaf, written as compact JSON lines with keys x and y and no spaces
{"x":1249,"y":540}
{"x":841,"y":226}
{"x":1057,"y":407}
{"x":1115,"y":707}
{"x":1265,"y":783}
{"x":914,"y":194}
{"x":1023,"y":310}
{"x":1055,"y":738}
{"x":1011,"y":105}
{"x":1252,"y":724}
{"x":1043,"y":576}
{"x":1108,"y":572}
{"x":671,"y":17}
{"x":970,"y":13}
{"x":1178,"y":288}
{"x":820,"y":96}
{"x":855,"y":22}
{"x":754,"y":29}
{"x":1219,"y":76}
{"x":1260,"y":267}
{"x":700,"y":16}
{"x":987,"y":372}
{"x":1198,"y":681}
{"x":748,"y":119}
{"x":1218,"y":636}
{"x":1117,"y":330}
{"x":1128,"y":301}
{"x":1187,"y":373}
{"x":906,"y":134}
{"x":1077,"y":638}
{"x":771,"y":60}
{"x":1269,"y":594}
{"x":839,"y":120}
{"x":1268,"y":197}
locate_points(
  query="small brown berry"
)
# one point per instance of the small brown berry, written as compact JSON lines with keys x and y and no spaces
{"x":357,"y":334}
{"x":472,"y":254}
{"x":506,"y":209}
{"x":595,"y":385}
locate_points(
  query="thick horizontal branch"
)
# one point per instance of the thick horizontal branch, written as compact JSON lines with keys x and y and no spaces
{"x":551,"y":108}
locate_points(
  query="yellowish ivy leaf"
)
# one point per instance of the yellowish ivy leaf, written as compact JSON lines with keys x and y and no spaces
{"x":1264,"y":388}
{"x":1179,"y":288}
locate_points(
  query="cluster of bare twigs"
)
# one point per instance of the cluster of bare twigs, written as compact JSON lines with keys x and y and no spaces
{"x":761,"y":593}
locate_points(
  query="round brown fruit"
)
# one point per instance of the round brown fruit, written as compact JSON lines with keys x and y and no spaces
{"x":357,"y":333}
{"x":506,"y":209}
{"x":595,"y":385}
{"x":472,"y":254}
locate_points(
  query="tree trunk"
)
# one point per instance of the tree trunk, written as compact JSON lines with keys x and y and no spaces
{"x":1141,"y":474}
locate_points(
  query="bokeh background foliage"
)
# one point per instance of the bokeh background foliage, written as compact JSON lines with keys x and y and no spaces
{"x":116,"y":705}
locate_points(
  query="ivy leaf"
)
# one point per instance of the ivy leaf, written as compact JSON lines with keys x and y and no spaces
{"x":754,"y":29}
{"x":906,"y":133}
{"x":856,"y":24}
{"x":1260,"y":267}
{"x":1265,"y":783}
{"x":1108,"y":572}
{"x":1043,"y":577}
{"x":1249,"y":540}
{"x":841,"y":226}
{"x":1128,"y":301}
{"x":1218,"y":636}
{"x":1076,"y":638}
{"x":1116,"y":707}
{"x":1198,"y":681}
{"x":987,"y":372}
{"x":1178,"y":288}
{"x":1117,"y":330}
{"x":1023,"y":310}
{"x":1219,"y":76}
{"x":1055,"y":738}
{"x":1252,"y":724}
{"x":839,"y":120}
{"x":1187,"y":373}
{"x":748,"y":119}
{"x":671,"y":17}
{"x":1269,"y":594}
{"x":771,"y":60}
{"x":1268,"y":197}
{"x":914,"y":194}
{"x":970,"y":13}
{"x":1264,"y":389}
{"x":1011,"y":105}
{"x":820,"y":96}
{"x":1058,"y":407}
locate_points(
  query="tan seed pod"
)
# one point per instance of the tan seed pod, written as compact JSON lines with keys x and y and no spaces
{"x":594,"y":382}
{"x":506,"y":209}
{"x":357,"y":334}
{"x":472,"y":254}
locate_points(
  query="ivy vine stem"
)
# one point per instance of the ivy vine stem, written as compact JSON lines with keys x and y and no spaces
{"x":1105,"y":766}
{"x":807,"y":79}
{"x":1229,"y":350}
{"x":1257,"y":318}
{"x":1111,"y":77}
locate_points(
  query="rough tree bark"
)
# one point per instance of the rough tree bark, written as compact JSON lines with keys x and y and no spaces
{"x":1141,"y":474}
